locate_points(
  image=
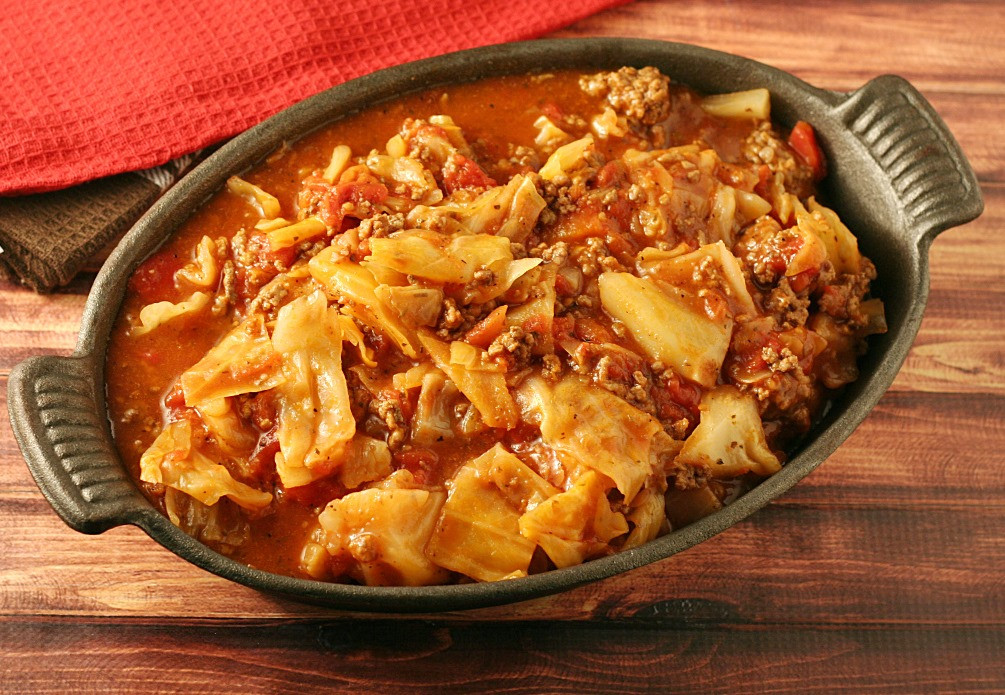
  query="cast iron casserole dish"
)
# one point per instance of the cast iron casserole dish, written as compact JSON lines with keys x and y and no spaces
{"x":897,"y":177}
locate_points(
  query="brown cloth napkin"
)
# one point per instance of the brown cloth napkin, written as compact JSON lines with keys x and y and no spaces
{"x":47,"y":238}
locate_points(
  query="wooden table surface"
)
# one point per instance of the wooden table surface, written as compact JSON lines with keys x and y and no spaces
{"x":882,"y":571}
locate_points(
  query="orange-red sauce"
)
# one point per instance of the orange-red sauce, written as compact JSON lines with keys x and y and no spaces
{"x":495,"y":115}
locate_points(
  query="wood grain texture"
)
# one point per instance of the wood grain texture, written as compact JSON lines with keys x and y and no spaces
{"x":532,"y":658}
{"x":883,"y":571}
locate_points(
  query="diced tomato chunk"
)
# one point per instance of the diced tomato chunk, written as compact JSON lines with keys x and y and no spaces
{"x":368,"y":190}
{"x":592,"y":331}
{"x":684,"y":392}
{"x":619,"y":212}
{"x":265,"y":256}
{"x":263,"y":409}
{"x":175,"y":398}
{"x":535,"y":324}
{"x":803,"y":140}
{"x":405,"y":404}
{"x":462,"y":172}
{"x":154,"y":279}
{"x":747,"y":358}
{"x":316,"y":494}
{"x":667,"y":409}
{"x":677,"y":398}
{"x":763,"y":177}
{"x":264,"y":456}
{"x":610,"y":174}
{"x":562,"y":329}
{"x":619,"y":246}
{"x":488,"y":329}
{"x":563,"y":286}
{"x":801,"y":281}
{"x":553,"y":111}
{"x":780,"y":253}
{"x":419,"y":462}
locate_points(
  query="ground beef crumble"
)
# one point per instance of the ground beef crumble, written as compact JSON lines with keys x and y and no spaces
{"x":790,"y":309}
{"x":513,"y":347}
{"x":641,"y":95}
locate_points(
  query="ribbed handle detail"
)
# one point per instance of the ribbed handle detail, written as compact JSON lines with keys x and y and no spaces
{"x":65,"y":441}
{"x":936,"y":186}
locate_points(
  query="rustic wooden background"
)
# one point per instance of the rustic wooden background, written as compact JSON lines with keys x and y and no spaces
{"x":882,"y":571}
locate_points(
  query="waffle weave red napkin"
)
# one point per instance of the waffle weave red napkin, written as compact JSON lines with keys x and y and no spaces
{"x":96,"y":87}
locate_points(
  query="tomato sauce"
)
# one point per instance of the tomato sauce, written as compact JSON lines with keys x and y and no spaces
{"x":626,"y":200}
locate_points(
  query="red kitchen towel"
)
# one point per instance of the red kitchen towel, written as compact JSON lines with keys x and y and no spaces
{"x":97,"y":87}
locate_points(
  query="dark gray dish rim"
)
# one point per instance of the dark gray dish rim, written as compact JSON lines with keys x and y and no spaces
{"x":897,"y":177}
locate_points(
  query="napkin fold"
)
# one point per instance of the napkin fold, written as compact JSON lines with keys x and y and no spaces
{"x":94,"y":88}
{"x":47,"y":238}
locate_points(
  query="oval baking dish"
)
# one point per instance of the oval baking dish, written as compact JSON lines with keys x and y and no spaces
{"x":897,"y":177}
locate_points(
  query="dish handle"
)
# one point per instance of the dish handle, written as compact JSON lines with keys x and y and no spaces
{"x":934,"y":183}
{"x":54,"y":413}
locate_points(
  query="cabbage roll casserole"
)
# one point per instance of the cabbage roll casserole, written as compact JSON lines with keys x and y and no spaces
{"x":490,"y":330}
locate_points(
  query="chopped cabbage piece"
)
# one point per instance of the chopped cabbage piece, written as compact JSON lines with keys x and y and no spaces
{"x":355,"y":287}
{"x":680,"y":270}
{"x":266,"y":203}
{"x":395,"y":146}
{"x":519,"y":206}
{"x":486,"y":390}
{"x":204,"y":270}
{"x":722,"y":220}
{"x":381,"y":533}
{"x":441,"y":258}
{"x":729,"y":438}
{"x":384,"y":275}
{"x":367,"y":459}
{"x":433,"y":420}
{"x":155,"y":315}
{"x":842,"y":246}
{"x":567,"y":158}
{"x":608,"y":124}
{"x":666,"y":327}
{"x":412,"y":377}
{"x":647,"y":516}
{"x":314,"y":558}
{"x":423,"y":254}
{"x":172,"y":461}
{"x":503,"y":277}
{"x":353,"y":335}
{"x":417,"y":306}
{"x":341,"y":155}
{"x":315,"y":418}
{"x":227,"y":430}
{"x":222,"y":524}
{"x":478,"y":533}
{"x":293,"y":234}
{"x":574,"y":525}
{"x":454,"y":134}
{"x":549,"y":135}
{"x":537,"y":314}
{"x":509,"y":211}
{"x":473,"y":358}
{"x":750,"y":206}
{"x":753,"y":103}
{"x":590,"y":427}
{"x":811,"y":253}
{"x":264,"y":225}
{"x":244,"y":361}
{"x":408,"y":173}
